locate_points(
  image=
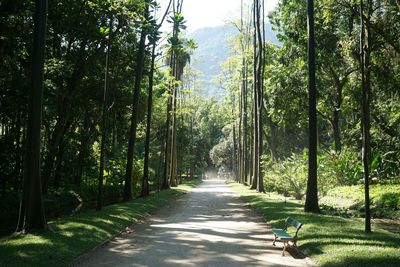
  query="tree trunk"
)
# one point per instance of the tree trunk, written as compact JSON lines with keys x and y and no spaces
{"x":336,"y":130}
{"x":240,"y":137}
{"x":31,"y":216}
{"x":259,"y":87}
{"x":167,"y":144}
{"x":135,"y":108}
{"x":104,"y":122}
{"x":311,"y":204}
{"x":255,"y":100}
{"x":366,"y":99}
{"x":145,"y":180}
{"x":234,"y":161}
{"x":173,"y":169}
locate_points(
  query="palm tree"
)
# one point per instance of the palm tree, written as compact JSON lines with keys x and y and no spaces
{"x":179,"y":55}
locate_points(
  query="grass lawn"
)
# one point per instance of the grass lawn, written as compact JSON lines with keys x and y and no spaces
{"x":329,"y":240}
{"x":349,"y":200}
{"x":73,"y":236}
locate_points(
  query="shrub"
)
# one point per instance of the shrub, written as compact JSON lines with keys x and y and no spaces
{"x":336,"y":169}
{"x":287,"y":177}
{"x":388,"y":200}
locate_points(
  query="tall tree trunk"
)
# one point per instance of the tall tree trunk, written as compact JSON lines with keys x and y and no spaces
{"x":173,"y":169}
{"x":246,"y":157}
{"x":240,"y":137}
{"x":191,"y":148}
{"x":336,"y":130}
{"x":135,"y":108}
{"x":31,"y":216}
{"x":145,"y":180}
{"x":167,"y":144}
{"x":104,"y":121}
{"x":256,"y":81}
{"x":245,"y":161}
{"x":311,"y":204}
{"x":260,"y":84}
{"x":251,"y":141}
{"x":234,"y":160}
{"x":365,"y":105}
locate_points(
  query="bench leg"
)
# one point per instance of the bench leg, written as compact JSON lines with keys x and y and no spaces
{"x":273,"y":243}
{"x":284,"y":248}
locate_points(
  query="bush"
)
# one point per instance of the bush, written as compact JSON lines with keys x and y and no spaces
{"x":337,"y":169}
{"x":388,"y":200}
{"x":287,"y":177}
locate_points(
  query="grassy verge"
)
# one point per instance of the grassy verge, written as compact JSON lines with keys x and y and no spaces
{"x":329,"y":240}
{"x":73,"y":236}
{"x":349,"y":200}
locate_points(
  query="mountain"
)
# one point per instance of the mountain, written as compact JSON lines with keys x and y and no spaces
{"x":212,"y":51}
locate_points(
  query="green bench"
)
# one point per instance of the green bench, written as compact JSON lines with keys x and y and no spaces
{"x":282,"y":234}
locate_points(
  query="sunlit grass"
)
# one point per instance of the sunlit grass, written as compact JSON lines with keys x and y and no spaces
{"x":329,"y":240}
{"x":72,"y":236}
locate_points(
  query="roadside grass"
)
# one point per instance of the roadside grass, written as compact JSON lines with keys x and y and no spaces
{"x":328,"y":240}
{"x":349,"y":201}
{"x":73,"y":236}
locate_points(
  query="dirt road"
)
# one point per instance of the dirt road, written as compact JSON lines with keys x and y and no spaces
{"x":210,"y":226}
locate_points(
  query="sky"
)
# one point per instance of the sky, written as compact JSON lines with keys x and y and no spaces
{"x":209,"y":13}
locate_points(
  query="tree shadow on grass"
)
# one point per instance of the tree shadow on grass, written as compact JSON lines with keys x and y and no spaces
{"x":72,"y":236}
{"x":326,"y":234}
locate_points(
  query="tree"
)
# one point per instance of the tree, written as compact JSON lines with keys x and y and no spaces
{"x":179,"y":55}
{"x":153,"y":40}
{"x":104,"y":121}
{"x":31,"y":215}
{"x":258,"y":98}
{"x":311,"y":204}
{"x":135,"y":104}
{"x":365,"y":103}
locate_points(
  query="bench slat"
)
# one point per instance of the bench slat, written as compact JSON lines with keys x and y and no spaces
{"x":296,"y":224}
{"x":282,"y":234}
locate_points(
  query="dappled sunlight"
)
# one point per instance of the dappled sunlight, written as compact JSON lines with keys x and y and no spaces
{"x":325,"y":235}
{"x":210,"y":226}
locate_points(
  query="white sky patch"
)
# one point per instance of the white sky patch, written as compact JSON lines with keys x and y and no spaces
{"x":210,"y":13}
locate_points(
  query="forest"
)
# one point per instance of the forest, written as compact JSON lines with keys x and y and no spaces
{"x":98,"y":106}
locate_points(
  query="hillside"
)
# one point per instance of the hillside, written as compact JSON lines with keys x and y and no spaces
{"x":213,"y":50}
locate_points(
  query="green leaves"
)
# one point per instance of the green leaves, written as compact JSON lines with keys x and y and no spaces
{"x":104,"y":31}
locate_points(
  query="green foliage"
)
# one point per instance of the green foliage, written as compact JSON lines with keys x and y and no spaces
{"x":222,"y":153}
{"x":287,"y":177}
{"x":335,"y":169}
